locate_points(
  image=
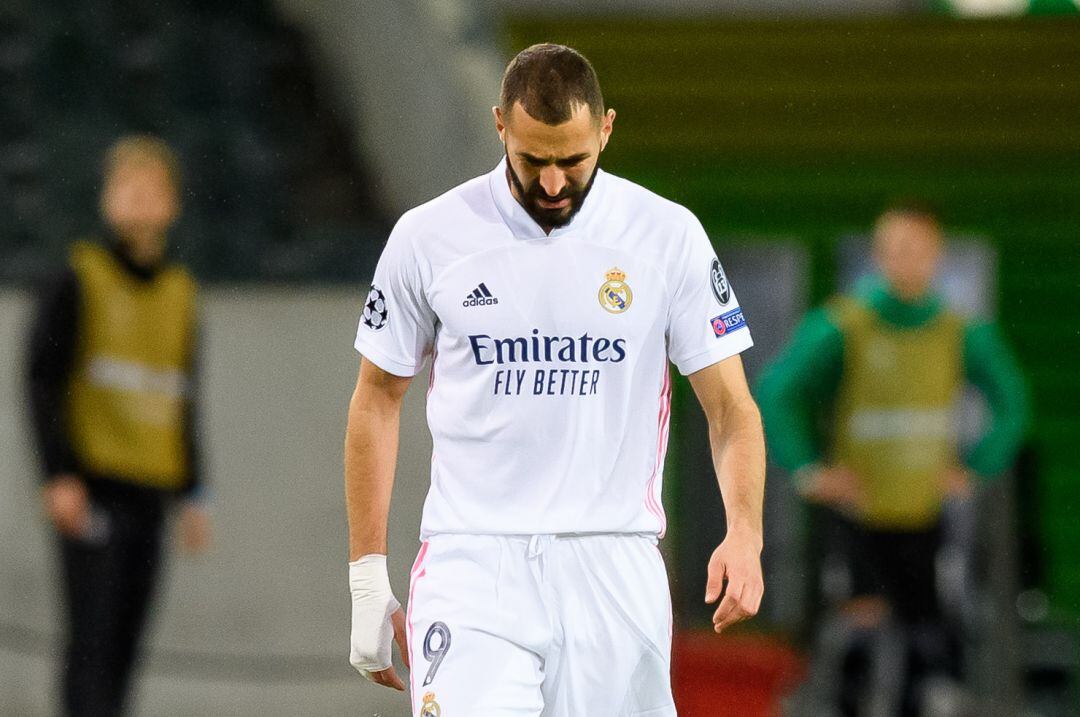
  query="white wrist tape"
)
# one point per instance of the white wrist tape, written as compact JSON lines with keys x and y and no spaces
{"x":372,"y":605}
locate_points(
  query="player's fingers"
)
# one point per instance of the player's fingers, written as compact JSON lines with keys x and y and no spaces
{"x":731,"y":608}
{"x":737,"y":615}
{"x":751,"y":597}
{"x":750,"y":602}
{"x":728,"y":605}
{"x":714,"y":587}
{"x":388,"y":678}
{"x":400,"y":635}
{"x":754,"y":602}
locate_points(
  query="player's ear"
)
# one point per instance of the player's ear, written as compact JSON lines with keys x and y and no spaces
{"x":500,"y":122}
{"x":606,"y":127}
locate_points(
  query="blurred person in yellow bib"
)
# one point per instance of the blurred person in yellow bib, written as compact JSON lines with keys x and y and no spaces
{"x":861,"y":408}
{"x":112,"y":378}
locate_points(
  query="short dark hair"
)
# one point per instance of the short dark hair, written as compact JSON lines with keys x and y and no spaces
{"x":142,"y":149}
{"x":913,"y":207}
{"x":550,"y":81}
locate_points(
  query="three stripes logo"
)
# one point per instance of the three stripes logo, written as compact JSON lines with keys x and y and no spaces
{"x":480,"y":296}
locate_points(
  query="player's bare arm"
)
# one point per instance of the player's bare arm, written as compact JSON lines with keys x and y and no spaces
{"x":738,"y":451}
{"x":371,"y":444}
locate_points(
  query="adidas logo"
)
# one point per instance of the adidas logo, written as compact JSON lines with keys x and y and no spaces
{"x":480,"y":296}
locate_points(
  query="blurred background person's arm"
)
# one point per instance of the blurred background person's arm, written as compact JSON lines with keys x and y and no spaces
{"x":194,"y":519}
{"x":791,"y":393}
{"x":990,"y":366}
{"x":50,"y":358}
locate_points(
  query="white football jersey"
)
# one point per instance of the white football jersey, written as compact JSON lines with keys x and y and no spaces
{"x":550,"y":392}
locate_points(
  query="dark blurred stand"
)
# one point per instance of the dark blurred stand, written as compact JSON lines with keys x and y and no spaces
{"x":274,"y":186}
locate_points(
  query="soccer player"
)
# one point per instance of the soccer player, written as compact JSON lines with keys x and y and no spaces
{"x":111,"y":377}
{"x":550,"y":297}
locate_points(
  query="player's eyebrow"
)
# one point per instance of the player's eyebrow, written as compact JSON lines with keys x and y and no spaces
{"x":561,"y":161}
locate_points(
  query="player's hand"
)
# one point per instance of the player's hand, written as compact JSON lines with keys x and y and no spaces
{"x":957,"y":482}
{"x":735,"y":578}
{"x":195,"y":528}
{"x":389,"y":677}
{"x":67,"y":504}
{"x":835,"y":486}
{"x":377,"y":621}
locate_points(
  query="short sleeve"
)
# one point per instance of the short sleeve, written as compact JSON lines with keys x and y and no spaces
{"x":397,"y":326}
{"x":705,"y":322}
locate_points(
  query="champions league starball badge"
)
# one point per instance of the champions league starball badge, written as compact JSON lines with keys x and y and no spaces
{"x":720,"y":287}
{"x":376,"y":315}
{"x":615,"y":294}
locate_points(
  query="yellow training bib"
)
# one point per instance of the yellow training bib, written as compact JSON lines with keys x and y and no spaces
{"x":129,"y":388}
{"x":895,"y":411}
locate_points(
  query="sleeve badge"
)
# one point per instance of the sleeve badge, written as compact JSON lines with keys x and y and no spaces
{"x":376,"y":315}
{"x":720,"y":287}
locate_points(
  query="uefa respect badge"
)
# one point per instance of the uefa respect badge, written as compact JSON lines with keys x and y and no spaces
{"x":726,"y":323}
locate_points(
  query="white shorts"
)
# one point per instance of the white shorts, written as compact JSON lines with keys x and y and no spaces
{"x":551,"y":626}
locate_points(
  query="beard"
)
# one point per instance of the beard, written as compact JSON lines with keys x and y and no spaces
{"x":547,"y":217}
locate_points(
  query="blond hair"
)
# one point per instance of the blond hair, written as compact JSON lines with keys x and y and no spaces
{"x":142,"y":150}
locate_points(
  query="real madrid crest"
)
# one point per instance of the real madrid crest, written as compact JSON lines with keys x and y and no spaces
{"x":615,"y":294}
{"x":430,"y":708}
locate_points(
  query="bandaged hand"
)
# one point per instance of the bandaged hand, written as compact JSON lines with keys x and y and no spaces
{"x":377,"y":621}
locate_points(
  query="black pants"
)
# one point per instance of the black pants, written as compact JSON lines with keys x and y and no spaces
{"x":109,"y":579}
{"x":899,"y":566}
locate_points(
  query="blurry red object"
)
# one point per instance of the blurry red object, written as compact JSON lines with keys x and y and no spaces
{"x":742,"y":675}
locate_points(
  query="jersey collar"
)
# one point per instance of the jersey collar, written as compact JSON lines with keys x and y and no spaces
{"x":518,"y":220}
{"x":876,"y":293}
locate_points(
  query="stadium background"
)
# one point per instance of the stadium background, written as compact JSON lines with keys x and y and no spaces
{"x":306,"y":127}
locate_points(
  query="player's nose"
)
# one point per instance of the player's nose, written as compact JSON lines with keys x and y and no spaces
{"x":552,"y":181}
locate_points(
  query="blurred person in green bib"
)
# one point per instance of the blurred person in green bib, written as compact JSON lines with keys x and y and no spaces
{"x":112,"y":376}
{"x":861,"y":406}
